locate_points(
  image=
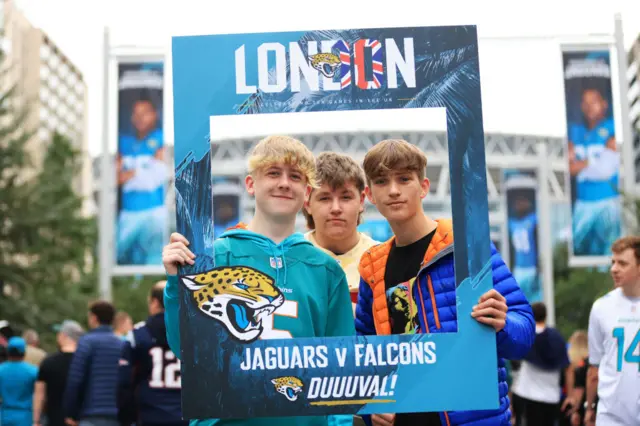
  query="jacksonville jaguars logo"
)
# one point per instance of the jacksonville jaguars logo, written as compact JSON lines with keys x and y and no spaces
{"x":238,"y":297}
{"x":289,"y":386}
{"x":326,"y":63}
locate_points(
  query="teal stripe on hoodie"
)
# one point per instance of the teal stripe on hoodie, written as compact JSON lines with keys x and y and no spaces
{"x":309,"y":277}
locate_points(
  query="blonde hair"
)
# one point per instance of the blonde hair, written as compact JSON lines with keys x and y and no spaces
{"x":578,"y":347}
{"x":120,"y":317}
{"x":336,"y":170}
{"x":394,"y":155}
{"x":283,"y":149}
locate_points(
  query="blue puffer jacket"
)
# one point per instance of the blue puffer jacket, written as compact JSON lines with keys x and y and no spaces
{"x":437,"y":283}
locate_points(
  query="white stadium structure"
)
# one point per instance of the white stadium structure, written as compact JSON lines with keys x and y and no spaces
{"x":503,"y":151}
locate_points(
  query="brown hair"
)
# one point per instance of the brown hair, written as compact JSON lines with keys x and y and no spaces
{"x":624,"y":243}
{"x":394,"y":155}
{"x":285,"y":149}
{"x":539,"y":310}
{"x":157,"y":292}
{"x":103,"y":310}
{"x":336,"y":170}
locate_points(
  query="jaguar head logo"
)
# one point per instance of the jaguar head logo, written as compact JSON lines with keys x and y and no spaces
{"x":326,"y":63}
{"x":289,"y":386}
{"x":238,"y":297}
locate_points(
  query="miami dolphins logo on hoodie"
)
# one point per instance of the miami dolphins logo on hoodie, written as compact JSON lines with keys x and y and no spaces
{"x":239,"y":297}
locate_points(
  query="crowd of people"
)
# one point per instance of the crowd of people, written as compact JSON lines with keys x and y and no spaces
{"x":110,"y":374}
{"x":120,"y":374}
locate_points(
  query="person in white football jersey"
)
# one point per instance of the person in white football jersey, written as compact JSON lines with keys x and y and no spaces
{"x":614,"y":337}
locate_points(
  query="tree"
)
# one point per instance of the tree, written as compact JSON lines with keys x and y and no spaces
{"x":46,"y":243}
{"x":130,"y":294}
{"x":575,"y":291}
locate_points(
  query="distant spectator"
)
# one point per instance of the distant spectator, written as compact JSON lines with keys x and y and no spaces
{"x":34,"y":354}
{"x":579,"y":357}
{"x":122,"y":324}
{"x":146,"y":398}
{"x":539,"y":378}
{"x":17,"y":381}
{"x":91,"y":395}
{"x":52,"y":377}
{"x":5,"y":333}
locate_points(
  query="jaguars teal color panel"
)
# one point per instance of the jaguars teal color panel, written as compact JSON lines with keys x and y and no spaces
{"x":228,"y":371}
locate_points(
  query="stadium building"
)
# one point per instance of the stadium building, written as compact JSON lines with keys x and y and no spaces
{"x":503,"y":152}
{"x":51,"y":84}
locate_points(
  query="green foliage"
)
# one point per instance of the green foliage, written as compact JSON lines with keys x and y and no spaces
{"x":46,"y":271}
{"x":577,"y":288}
{"x":130,"y":295}
{"x":46,"y":243}
{"x":575,"y":291}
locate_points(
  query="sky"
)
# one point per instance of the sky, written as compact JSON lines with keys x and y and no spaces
{"x":520,"y":62}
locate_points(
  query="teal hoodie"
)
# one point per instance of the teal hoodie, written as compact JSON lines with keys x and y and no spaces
{"x":317,"y":301}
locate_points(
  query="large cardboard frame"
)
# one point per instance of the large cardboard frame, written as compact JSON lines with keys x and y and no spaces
{"x":376,"y":68}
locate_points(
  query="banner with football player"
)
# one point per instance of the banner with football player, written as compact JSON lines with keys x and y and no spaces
{"x":232,"y":365}
{"x":520,"y":189}
{"x":142,"y":173}
{"x":593,"y":156}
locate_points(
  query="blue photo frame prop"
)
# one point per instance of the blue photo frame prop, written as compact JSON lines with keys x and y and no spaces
{"x":375,"y":68}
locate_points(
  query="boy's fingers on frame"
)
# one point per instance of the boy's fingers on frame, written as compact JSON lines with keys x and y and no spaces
{"x":492,"y":294}
{"x":493,"y":322}
{"x":178,"y":256}
{"x":175,"y":237}
{"x":180,"y":246}
{"x":488,"y":312}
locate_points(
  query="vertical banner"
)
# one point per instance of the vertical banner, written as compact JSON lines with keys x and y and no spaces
{"x":142,"y":173}
{"x":520,"y":189}
{"x":594,"y":161}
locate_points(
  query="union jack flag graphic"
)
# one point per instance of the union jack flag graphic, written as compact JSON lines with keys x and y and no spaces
{"x":376,"y":59}
{"x":345,"y":62}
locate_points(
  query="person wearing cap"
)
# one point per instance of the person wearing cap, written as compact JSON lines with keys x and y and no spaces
{"x":5,"y":333}
{"x":17,"y":381}
{"x":52,"y":376}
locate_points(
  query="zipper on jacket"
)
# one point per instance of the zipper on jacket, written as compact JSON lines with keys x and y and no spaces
{"x":433,"y":302}
{"x":424,"y":313}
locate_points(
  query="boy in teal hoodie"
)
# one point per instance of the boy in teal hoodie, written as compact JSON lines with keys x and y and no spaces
{"x":281,"y":174}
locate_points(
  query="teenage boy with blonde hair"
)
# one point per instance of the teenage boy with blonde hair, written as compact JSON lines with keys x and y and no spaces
{"x":333,"y":212}
{"x":281,"y":172}
{"x":416,"y":265}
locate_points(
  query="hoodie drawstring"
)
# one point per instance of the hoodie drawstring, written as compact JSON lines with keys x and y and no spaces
{"x":275,"y":250}
{"x":280,"y":256}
